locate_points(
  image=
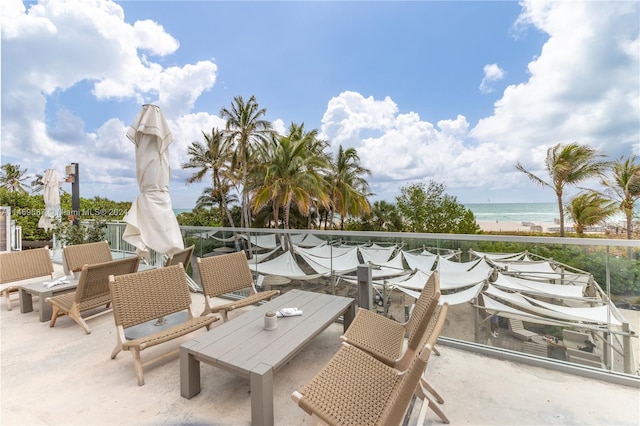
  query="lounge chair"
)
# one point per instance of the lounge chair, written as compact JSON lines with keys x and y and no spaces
{"x":356,"y":388}
{"x":19,"y":266}
{"x":516,"y":328}
{"x":183,"y":256}
{"x":76,"y":256}
{"x":92,"y":291}
{"x":143,"y":297}
{"x":228,"y":273}
{"x":574,"y":340}
{"x":384,"y":338}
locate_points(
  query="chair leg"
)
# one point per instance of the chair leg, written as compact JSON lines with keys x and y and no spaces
{"x":431,"y":390}
{"x":426,"y":398}
{"x":436,"y":409}
{"x":116,"y":350}
{"x":7,"y":298}
{"x":54,"y":316}
{"x":75,"y":314}
{"x":435,"y":351}
{"x":138,"y":364}
{"x":223,"y":314}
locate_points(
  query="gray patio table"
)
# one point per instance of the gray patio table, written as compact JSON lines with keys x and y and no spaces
{"x":27,"y":291}
{"x":243,"y":347}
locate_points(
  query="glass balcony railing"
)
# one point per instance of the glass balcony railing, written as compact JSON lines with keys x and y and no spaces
{"x":542,"y":297}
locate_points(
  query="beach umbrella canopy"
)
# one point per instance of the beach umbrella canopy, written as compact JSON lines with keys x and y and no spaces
{"x":151,"y":222}
{"x":51,"y":182}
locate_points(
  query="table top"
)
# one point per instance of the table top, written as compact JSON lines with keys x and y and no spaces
{"x":241,"y":345}
{"x":40,"y":287}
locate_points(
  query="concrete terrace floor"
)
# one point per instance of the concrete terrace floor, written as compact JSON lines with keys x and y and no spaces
{"x":61,"y":376}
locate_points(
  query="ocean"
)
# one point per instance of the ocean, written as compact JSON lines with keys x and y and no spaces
{"x":514,"y":212}
{"x":502,"y":212}
{"x":507,"y":212}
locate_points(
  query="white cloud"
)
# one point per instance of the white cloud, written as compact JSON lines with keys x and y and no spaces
{"x":492,"y":73}
{"x":583,"y":86}
{"x":55,"y":45}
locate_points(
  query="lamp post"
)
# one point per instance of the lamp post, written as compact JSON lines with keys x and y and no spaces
{"x":73,"y":176}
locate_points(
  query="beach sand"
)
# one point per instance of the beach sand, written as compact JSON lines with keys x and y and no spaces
{"x":514,"y":226}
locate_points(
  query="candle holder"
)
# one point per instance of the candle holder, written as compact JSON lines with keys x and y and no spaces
{"x":270,"y":320}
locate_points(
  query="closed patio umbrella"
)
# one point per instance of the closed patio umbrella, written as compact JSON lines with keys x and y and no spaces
{"x":151,"y":222}
{"x":51,"y":183}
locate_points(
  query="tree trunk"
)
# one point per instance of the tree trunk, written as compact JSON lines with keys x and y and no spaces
{"x":561,"y":212}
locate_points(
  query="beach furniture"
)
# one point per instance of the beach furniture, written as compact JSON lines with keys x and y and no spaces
{"x":183,"y":256}
{"x":356,"y":388}
{"x":228,"y":273}
{"x":142,"y":297}
{"x":383,"y":337}
{"x":92,"y":291}
{"x":18,"y":266}
{"x":574,"y":340}
{"x":78,"y":255}
{"x":516,"y":328}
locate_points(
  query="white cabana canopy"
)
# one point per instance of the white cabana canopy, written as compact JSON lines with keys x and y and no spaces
{"x":284,"y":265}
{"x":423,"y":261}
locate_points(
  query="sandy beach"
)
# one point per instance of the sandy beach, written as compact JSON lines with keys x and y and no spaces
{"x":506,"y":226}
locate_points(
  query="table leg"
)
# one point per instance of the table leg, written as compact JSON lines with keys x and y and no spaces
{"x":46,"y":311}
{"x":348,"y":316}
{"x":261,"y":379}
{"x":189,"y":372}
{"x":26,"y":301}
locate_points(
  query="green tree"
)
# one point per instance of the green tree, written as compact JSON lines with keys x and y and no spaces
{"x":383,"y":216}
{"x":215,"y":157}
{"x":245,"y":128}
{"x":431,"y":210}
{"x":292,"y":174}
{"x":588,"y":209}
{"x":200,"y":217}
{"x":12,"y":178}
{"x":348,"y":186}
{"x":567,"y":164}
{"x":623,"y":187}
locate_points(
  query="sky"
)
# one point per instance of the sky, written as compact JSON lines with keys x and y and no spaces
{"x":453,"y":92}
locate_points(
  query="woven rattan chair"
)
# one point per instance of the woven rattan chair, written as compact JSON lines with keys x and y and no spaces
{"x":354,"y":388}
{"x":20,"y":266}
{"x":183,"y":256}
{"x":431,"y":334}
{"x":384,"y":338}
{"x":92,"y":291}
{"x":143,"y":297}
{"x":228,"y":273}
{"x":78,"y":255}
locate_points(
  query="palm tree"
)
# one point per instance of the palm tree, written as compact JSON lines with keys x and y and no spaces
{"x":12,"y":178}
{"x":385,"y":217}
{"x":245,"y":128}
{"x":292,"y":175}
{"x":588,"y":209}
{"x":624,"y":187}
{"x":214,"y":157}
{"x":36,"y":184}
{"x":348,"y":186}
{"x":567,"y":164}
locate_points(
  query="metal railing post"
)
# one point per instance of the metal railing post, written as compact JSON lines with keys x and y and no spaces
{"x":365,"y":287}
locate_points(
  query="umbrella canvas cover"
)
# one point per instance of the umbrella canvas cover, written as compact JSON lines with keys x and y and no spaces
{"x":51,"y":182}
{"x":151,"y":222}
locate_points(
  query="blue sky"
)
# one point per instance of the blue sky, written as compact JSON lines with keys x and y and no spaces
{"x":455,"y":92}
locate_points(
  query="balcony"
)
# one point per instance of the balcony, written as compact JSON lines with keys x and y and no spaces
{"x":62,"y":376}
